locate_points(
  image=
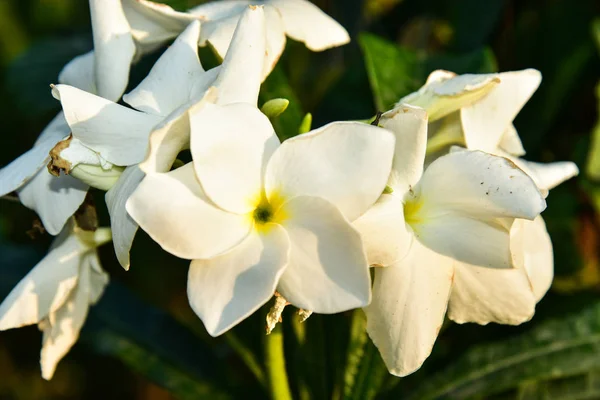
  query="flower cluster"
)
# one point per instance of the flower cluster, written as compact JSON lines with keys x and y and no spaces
{"x":432,"y":197}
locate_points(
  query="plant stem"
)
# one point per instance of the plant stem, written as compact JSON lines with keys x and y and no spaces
{"x":275,"y":363}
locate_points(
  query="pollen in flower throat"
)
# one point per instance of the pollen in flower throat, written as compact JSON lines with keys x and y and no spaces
{"x":412,"y":207}
{"x":263,"y":214}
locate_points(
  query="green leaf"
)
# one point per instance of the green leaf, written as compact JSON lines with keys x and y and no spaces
{"x":556,"y":349}
{"x":593,"y":163}
{"x":395,"y":71}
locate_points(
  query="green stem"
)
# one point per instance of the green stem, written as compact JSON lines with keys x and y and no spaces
{"x":247,"y":357}
{"x":275,"y":363}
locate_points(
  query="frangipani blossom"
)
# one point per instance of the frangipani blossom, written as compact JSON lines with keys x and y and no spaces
{"x":477,"y":111}
{"x":165,"y":99}
{"x":459,"y":210}
{"x":255,"y":216}
{"x":57,"y":293}
{"x":299,"y":19}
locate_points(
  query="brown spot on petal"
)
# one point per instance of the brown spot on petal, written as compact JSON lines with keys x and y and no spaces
{"x":57,"y":163}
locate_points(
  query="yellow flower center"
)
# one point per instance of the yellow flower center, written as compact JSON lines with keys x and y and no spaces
{"x":412,"y":208}
{"x":267,"y":213}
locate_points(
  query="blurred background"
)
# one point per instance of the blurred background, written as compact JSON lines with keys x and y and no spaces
{"x":142,"y":341}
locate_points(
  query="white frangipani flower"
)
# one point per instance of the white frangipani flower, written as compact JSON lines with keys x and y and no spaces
{"x":477,"y":111}
{"x":57,"y":293}
{"x":256,"y":216}
{"x":174,"y":88}
{"x":459,"y":210}
{"x":299,"y":19}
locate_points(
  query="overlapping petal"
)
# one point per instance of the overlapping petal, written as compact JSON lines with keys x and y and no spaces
{"x":228,"y":288}
{"x":118,"y":133}
{"x":345,"y":163}
{"x":122,"y":225}
{"x":328,"y":270}
{"x":230,"y":148}
{"x":54,"y":199}
{"x":174,"y":211}
{"x":486,"y":120}
{"x":537,"y":255}
{"x":409,"y":125}
{"x":383,"y":230}
{"x":80,"y":72}
{"x":408,"y":308}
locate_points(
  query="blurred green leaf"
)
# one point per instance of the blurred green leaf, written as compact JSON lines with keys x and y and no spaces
{"x":395,"y":71}
{"x":593,"y":163}
{"x":556,"y":349}
{"x":43,"y":61}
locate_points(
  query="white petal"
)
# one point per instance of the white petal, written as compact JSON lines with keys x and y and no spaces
{"x":537,"y":254}
{"x":328,"y":270}
{"x":80,"y":72}
{"x":169,"y":84}
{"x":383,"y":231}
{"x":21,"y":170}
{"x":114,"y":48}
{"x":511,"y":142}
{"x":230,"y":148}
{"x":122,"y":225}
{"x":78,"y":153}
{"x":480,"y":185}
{"x":346,"y":163}
{"x":61,"y":330}
{"x":214,"y":10}
{"x":244,"y":62}
{"x":409,"y":125}
{"x":548,"y":175}
{"x":275,"y":40}
{"x":46,"y":287}
{"x":175,"y":212}
{"x":228,"y":288}
{"x":487,"y":119}
{"x":98,"y":278}
{"x":152,"y":24}
{"x":118,"y":133}
{"x":408,"y":307}
{"x":54,"y":199}
{"x":305,"y":22}
{"x":485,"y":295}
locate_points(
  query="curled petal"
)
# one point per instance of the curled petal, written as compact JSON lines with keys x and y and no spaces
{"x":226,"y":289}
{"x":174,"y":211}
{"x":80,"y":73}
{"x":328,"y":270}
{"x":536,"y":253}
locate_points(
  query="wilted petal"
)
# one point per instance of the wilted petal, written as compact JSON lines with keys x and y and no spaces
{"x":54,"y":199}
{"x":175,"y":212}
{"x":228,"y":288}
{"x":485,"y":295}
{"x":80,"y":73}
{"x":383,"y":231}
{"x":242,"y":69}
{"x":61,"y":329}
{"x":485,"y":121}
{"x":118,"y":133}
{"x":46,"y":287}
{"x":230,"y":148}
{"x":511,"y":142}
{"x":305,"y":22}
{"x":328,"y":270}
{"x":152,"y":23}
{"x":114,"y":48}
{"x":408,"y":307}
{"x":409,"y":125}
{"x":122,"y":225}
{"x":15,"y":174}
{"x":171,"y":80}
{"x":345,"y":163}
